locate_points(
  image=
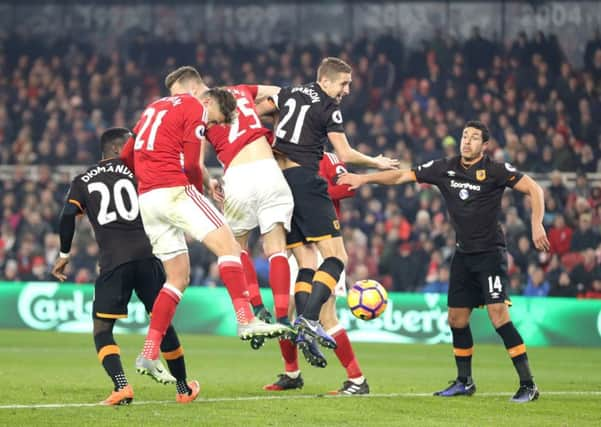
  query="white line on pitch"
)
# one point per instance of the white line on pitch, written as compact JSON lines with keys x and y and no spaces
{"x":289,"y":397}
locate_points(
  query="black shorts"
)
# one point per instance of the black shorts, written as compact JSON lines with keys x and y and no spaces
{"x":478,"y":279}
{"x":314,"y":217}
{"x":113,"y":288}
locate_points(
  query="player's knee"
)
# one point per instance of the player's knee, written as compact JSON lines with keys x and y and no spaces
{"x":498,"y":314}
{"x":458,"y":319}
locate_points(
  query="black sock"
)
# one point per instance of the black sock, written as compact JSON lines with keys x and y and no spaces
{"x":463,"y":348}
{"x":173,"y":353}
{"x":257,"y":308}
{"x":302,"y":288}
{"x":109,"y":355}
{"x":324,"y":282}
{"x":517,"y":351}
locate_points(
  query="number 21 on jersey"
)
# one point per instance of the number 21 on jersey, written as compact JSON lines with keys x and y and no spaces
{"x":281,"y":132}
{"x":150,"y":115}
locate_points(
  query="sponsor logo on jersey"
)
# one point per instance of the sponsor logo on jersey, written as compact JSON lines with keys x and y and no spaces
{"x":465,"y":185}
{"x":463,"y":194}
{"x":481,"y":174}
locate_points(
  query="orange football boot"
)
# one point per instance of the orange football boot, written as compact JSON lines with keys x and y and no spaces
{"x":123,"y":396}
{"x":187,"y":398}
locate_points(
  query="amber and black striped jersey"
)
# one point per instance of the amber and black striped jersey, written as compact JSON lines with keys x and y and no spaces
{"x":107,"y":193}
{"x":473,"y":197}
{"x":307,"y":114}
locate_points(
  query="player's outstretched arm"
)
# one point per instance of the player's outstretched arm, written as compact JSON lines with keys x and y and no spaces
{"x":66,"y":233}
{"x":393,"y":177}
{"x":529,"y":186}
{"x":266,"y":91}
{"x":348,"y":154}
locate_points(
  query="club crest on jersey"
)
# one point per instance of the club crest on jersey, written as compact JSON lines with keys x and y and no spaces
{"x":336,"y":224}
{"x":481,"y":174}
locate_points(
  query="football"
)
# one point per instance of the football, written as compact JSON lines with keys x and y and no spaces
{"x":367,"y":299}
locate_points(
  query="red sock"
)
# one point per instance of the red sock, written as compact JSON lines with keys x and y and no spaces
{"x":163,"y":311}
{"x":251,"y":279}
{"x":290,"y":355}
{"x":345,"y":353}
{"x":230,"y":270}
{"x":279,"y":279}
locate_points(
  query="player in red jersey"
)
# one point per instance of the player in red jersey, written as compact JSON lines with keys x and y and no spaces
{"x":330,"y":167}
{"x":256,"y":195}
{"x":166,"y":159}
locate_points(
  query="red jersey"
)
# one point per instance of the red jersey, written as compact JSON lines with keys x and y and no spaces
{"x":228,"y":140}
{"x":329,"y":169}
{"x":161,"y":133}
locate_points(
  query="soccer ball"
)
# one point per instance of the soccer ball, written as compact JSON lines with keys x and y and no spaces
{"x":367,"y":299}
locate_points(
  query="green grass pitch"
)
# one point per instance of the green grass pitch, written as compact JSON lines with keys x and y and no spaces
{"x":62,"y":372}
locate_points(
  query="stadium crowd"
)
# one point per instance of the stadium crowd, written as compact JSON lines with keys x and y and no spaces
{"x":543,"y":114}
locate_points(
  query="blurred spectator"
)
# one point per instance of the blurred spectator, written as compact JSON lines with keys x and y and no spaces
{"x":537,"y":285}
{"x":584,"y":237}
{"x":564,"y":287}
{"x":560,"y":236}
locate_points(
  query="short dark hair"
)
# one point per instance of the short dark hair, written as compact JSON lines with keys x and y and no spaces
{"x":113,"y":136}
{"x":182,"y":74}
{"x":481,"y":127}
{"x":331,"y":66}
{"x":226,"y":102}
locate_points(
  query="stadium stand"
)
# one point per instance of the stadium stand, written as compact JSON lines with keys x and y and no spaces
{"x":543,"y":114}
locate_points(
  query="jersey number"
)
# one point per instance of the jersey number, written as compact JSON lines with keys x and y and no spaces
{"x":104,"y":215}
{"x":246,"y":111}
{"x":156,"y":120}
{"x":494,"y":284}
{"x":298,"y":126}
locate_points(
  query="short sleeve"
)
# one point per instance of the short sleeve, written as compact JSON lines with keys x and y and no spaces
{"x":430,"y":172}
{"x":195,"y":122}
{"x":334,"y":121}
{"x":76,"y":195}
{"x":252,"y":89}
{"x":506,"y":175}
{"x":277,"y":98}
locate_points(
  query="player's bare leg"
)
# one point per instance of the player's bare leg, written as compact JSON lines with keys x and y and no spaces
{"x":356,"y":382}
{"x":324,"y":282}
{"x":499,"y":316}
{"x":463,"y":348}
{"x":222,"y":243}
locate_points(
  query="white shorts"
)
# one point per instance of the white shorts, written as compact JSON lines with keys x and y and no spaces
{"x":339,"y":290}
{"x":168,"y":213}
{"x":257,"y":194}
